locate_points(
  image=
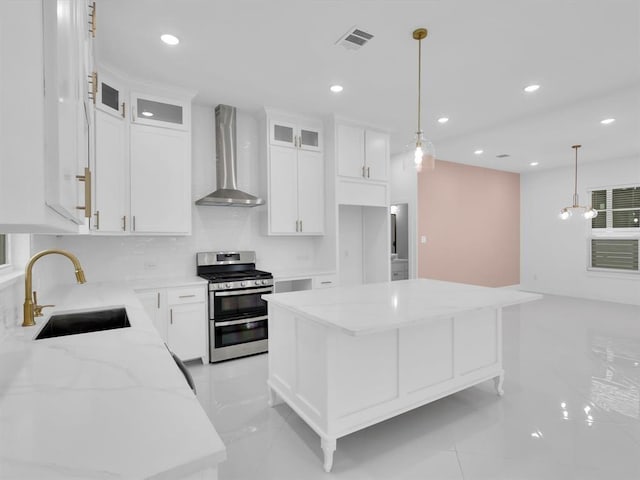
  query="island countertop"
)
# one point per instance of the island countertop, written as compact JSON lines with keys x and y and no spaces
{"x":375,"y":307}
{"x":108,"y":404}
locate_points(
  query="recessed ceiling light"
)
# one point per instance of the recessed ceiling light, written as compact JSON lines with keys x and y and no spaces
{"x":443,"y":119}
{"x":336,"y":88}
{"x":147,"y":114}
{"x":607,"y":121}
{"x":531,"y":88}
{"x":170,"y":39}
{"x":479,"y":152}
{"x":533,"y":164}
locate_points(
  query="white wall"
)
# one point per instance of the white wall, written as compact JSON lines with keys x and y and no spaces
{"x":554,"y":252}
{"x":404,"y":189}
{"x":214,"y":228}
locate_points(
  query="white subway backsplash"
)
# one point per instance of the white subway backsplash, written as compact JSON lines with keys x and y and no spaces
{"x":10,"y":305}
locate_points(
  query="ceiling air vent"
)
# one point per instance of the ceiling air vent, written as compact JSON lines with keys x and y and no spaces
{"x":503,"y":155}
{"x":354,"y":39}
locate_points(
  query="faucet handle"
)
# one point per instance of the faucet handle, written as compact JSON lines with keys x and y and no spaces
{"x":37,"y":309}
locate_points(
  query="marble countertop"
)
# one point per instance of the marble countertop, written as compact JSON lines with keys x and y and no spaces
{"x":296,"y":274}
{"x":165,"y":282}
{"x":109,"y":404}
{"x":375,"y":307}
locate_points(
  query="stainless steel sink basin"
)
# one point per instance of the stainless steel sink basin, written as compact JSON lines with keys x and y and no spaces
{"x":84,"y":322}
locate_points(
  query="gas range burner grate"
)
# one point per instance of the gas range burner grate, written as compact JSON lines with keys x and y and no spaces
{"x":232,"y":276}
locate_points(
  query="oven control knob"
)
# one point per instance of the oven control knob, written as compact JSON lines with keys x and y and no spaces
{"x":243,"y":284}
{"x":262,"y":282}
{"x":228,"y":285}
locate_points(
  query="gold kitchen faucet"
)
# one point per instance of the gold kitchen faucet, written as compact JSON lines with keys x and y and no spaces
{"x":31,"y":307}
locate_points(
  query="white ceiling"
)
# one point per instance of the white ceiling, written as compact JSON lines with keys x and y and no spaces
{"x":476,"y":60}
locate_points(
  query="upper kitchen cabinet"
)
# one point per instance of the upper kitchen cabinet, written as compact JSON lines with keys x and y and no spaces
{"x":142,"y":178}
{"x":45,"y":53}
{"x":295,"y":176}
{"x":110,"y":94}
{"x":362,"y":164}
{"x":295,"y":135}
{"x":160,"y":112}
{"x":160,"y":180}
{"x":362,"y":153}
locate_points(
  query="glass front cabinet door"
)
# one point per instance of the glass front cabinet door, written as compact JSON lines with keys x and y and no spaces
{"x":293,"y":135}
{"x":160,"y":112}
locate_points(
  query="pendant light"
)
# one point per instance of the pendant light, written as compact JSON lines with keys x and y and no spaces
{"x":425,"y":154}
{"x":586,"y":212}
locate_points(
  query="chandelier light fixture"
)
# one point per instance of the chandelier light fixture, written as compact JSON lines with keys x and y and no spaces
{"x":586,"y":212}
{"x":425,"y":154}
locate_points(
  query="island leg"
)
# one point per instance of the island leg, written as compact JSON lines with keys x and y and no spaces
{"x":274,"y":398}
{"x":498,"y":381}
{"x":328,"y":447}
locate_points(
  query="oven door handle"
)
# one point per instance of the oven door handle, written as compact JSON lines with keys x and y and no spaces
{"x":243,"y":292}
{"x":240,"y":322}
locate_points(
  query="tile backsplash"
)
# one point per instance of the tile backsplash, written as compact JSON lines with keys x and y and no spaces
{"x":10,"y":305}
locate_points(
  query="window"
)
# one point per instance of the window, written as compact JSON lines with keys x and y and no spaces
{"x":615,"y":231}
{"x":3,"y":250}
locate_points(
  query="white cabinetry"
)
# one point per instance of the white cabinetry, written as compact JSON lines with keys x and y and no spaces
{"x":45,"y":55}
{"x":111,"y":168}
{"x":160,"y":180}
{"x":295,"y":192}
{"x":142,"y":162}
{"x":362,"y":153}
{"x":180,"y":316}
{"x":362,"y":165}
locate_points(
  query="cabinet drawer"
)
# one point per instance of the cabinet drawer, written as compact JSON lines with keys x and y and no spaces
{"x":399,"y":267}
{"x":177,"y":296}
{"x":325,"y":281}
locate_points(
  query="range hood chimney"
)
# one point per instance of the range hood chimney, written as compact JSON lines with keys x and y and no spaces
{"x":227,"y":194}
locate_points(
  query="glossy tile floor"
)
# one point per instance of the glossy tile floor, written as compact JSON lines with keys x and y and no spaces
{"x":571,"y":410}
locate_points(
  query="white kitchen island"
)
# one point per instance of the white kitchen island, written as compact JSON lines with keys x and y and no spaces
{"x":346,"y":358}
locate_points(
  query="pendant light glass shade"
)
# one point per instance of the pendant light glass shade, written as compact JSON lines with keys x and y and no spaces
{"x":586,"y":212}
{"x":425,"y":154}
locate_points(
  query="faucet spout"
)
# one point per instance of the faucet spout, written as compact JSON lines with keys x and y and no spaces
{"x":29,"y":306}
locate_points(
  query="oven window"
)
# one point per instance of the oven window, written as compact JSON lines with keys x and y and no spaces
{"x":239,"y":305}
{"x":243,"y":333}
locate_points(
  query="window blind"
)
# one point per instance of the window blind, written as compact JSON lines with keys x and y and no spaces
{"x":614,"y":253}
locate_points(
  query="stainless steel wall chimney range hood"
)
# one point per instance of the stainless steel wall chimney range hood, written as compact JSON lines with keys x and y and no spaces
{"x":227,"y":194}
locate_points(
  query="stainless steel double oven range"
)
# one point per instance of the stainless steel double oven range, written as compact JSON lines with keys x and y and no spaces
{"x":237,"y":313}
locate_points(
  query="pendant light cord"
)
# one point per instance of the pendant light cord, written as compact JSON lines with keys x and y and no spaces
{"x":419,"y":83}
{"x":575,"y":178}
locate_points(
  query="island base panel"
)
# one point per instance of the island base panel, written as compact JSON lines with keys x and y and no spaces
{"x":340,"y":383}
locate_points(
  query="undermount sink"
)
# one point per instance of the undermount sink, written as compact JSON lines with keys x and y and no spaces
{"x":84,"y":322}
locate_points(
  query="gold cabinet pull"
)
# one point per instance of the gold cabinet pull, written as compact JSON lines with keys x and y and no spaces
{"x":124,"y":223}
{"x":368,"y":172}
{"x":124,"y":106}
{"x":92,"y":21}
{"x":93,"y":82}
{"x":158,"y":299}
{"x":301,"y":225}
{"x":86,"y":178}
{"x":171,"y":316}
{"x":97,"y":219}
{"x":133,"y":223}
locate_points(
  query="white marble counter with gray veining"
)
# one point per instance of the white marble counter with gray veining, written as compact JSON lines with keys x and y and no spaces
{"x":375,"y":307}
{"x":108,"y":404}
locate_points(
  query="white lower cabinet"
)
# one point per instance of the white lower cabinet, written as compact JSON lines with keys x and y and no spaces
{"x":180,"y":316}
{"x":154,"y":303}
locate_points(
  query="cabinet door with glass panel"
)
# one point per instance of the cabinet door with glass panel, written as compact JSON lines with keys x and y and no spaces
{"x":110,"y":95}
{"x":160,"y":112}
{"x":295,"y":135}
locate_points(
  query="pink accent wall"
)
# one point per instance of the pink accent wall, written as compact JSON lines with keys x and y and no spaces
{"x":471,"y":218}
